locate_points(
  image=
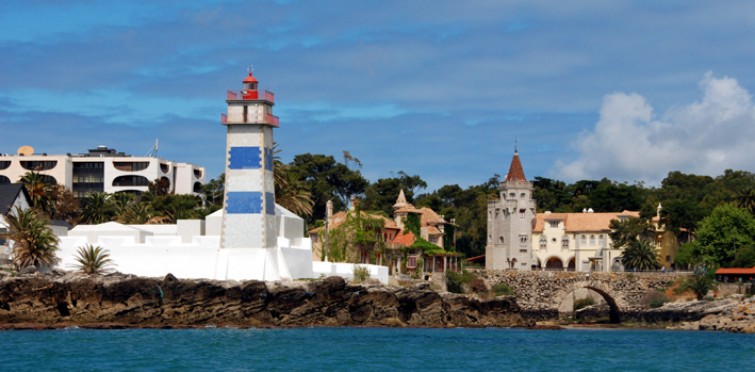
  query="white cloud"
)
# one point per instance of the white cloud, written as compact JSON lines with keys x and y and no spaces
{"x":631,"y":143}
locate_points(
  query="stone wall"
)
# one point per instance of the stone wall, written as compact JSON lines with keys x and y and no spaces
{"x":545,"y":291}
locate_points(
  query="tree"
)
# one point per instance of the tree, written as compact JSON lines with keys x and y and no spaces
{"x":381,"y":195}
{"x":627,"y":231}
{"x":290,"y":192}
{"x":326,"y":180}
{"x":159,"y":187}
{"x":37,"y":185}
{"x":93,"y":260}
{"x":177,"y":207}
{"x":213,"y":191}
{"x":640,"y":255}
{"x":34,"y":243}
{"x":64,"y":205}
{"x":699,"y":284}
{"x":723,"y":233}
{"x":551,"y":195}
{"x":745,"y":256}
{"x":97,"y":208}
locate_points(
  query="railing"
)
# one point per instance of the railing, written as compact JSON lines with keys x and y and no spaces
{"x":223,"y":119}
{"x":269,"y":96}
{"x":272,"y":120}
{"x":266,"y":95}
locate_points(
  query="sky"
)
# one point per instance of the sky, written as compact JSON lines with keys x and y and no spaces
{"x":628,"y":90}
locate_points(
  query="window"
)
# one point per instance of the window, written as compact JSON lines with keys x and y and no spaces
{"x":523,"y":240}
{"x":564,"y":243}
{"x":601,"y":241}
{"x":411,"y":262}
{"x":512,"y":195}
{"x":583,"y":240}
{"x":553,"y":224}
{"x":434,"y":239}
{"x":592,"y":239}
{"x":500,"y":240}
{"x":521,"y":213}
{"x":543,"y":242}
{"x":522,"y":195}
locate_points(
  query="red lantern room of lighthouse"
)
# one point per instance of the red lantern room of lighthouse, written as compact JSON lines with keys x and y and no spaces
{"x":250,"y":88}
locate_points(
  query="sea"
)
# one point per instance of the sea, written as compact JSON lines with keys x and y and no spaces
{"x":375,"y":349}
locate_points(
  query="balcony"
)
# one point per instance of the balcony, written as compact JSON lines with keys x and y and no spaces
{"x":268,"y":119}
{"x":252,"y":95}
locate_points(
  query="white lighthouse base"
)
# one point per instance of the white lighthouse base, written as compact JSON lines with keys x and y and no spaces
{"x":191,"y":249}
{"x":267,"y":264}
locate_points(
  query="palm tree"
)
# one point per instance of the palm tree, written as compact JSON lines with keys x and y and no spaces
{"x":34,"y":243}
{"x":97,"y":208}
{"x":291,"y":194}
{"x":746,"y":199}
{"x":37,"y":187}
{"x":138,"y":214}
{"x":93,"y":260}
{"x":290,"y":191}
{"x":640,"y":255}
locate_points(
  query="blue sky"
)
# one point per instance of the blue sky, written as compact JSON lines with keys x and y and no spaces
{"x":442,"y":89}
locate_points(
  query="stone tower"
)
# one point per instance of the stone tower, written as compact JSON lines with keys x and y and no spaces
{"x":249,"y":202}
{"x":510,"y":220}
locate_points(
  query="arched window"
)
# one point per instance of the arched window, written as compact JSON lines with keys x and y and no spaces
{"x":592,"y":239}
{"x":38,"y":165}
{"x":130,"y":181}
{"x":554,"y":264}
{"x":543,"y":242}
{"x":565,"y":243}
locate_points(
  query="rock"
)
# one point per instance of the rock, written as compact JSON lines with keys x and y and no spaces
{"x":116,"y":301}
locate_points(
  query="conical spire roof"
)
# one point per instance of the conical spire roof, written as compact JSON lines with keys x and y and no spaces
{"x":401,"y":200}
{"x":516,"y":172}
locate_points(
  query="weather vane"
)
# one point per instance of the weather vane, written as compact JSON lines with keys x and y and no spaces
{"x":516,"y":145}
{"x":250,"y":69}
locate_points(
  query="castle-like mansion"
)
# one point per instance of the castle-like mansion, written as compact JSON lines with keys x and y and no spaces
{"x":519,"y":238}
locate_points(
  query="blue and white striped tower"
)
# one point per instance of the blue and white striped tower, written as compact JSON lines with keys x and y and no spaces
{"x":249,"y":204}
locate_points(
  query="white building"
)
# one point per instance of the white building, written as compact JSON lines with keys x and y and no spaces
{"x":521,"y":239}
{"x":102,"y":169}
{"x":577,"y":241}
{"x":510,"y":222}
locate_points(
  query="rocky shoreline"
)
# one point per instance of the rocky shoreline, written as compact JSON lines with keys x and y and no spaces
{"x":117,"y":301}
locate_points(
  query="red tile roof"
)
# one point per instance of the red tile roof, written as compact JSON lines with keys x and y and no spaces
{"x":581,"y":222}
{"x":516,"y":172}
{"x":405,"y":238}
{"x":736,"y":271}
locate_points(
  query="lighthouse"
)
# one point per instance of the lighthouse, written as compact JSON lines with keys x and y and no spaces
{"x":249,"y":201}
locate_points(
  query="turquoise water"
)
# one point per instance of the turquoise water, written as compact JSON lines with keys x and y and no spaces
{"x":370,"y":349}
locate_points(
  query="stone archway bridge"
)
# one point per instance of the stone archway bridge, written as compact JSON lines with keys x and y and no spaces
{"x":545,"y":291}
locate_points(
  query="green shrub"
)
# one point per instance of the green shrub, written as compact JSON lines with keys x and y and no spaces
{"x":455,"y":281}
{"x":361,"y":274}
{"x":478,"y":286}
{"x":583,"y":303}
{"x":655,"y":299}
{"x":503,"y":289}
